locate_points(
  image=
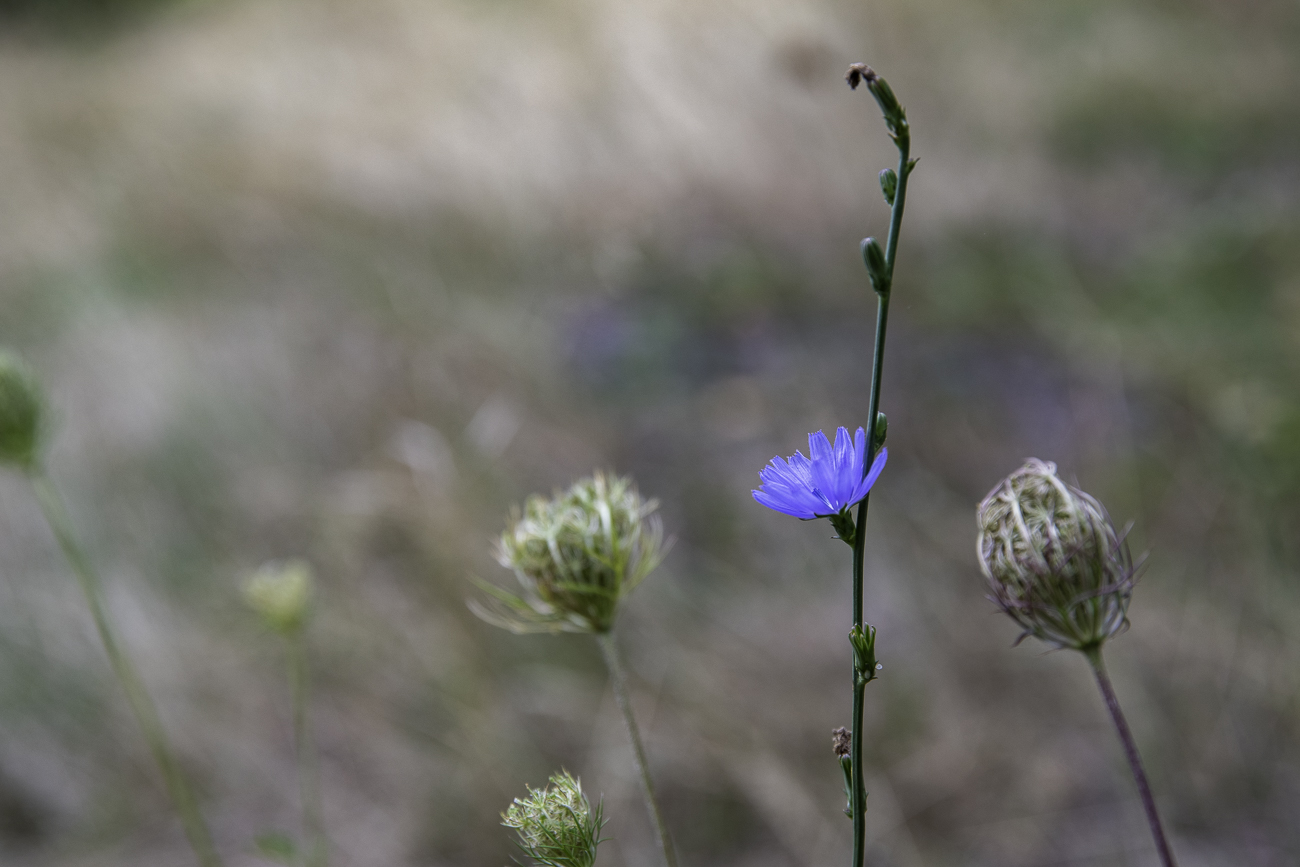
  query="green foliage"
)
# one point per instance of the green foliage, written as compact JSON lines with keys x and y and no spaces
{"x":557,"y":826}
{"x":20,"y":412}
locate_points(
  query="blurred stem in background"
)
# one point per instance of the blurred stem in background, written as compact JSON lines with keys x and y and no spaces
{"x":281,"y":594}
{"x":609,"y":648}
{"x":196,"y":830}
{"x":1131,"y":753}
{"x":22,"y":440}
{"x":880,"y":268}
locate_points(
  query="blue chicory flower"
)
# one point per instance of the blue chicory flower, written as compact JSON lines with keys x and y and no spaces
{"x":823,"y":485}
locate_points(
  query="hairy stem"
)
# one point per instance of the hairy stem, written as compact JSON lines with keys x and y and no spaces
{"x":859,"y":806}
{"x":308,"y":771}
{"x":146,"y":714}
{"x":1131,"y":751}
{"x":609,"y":649}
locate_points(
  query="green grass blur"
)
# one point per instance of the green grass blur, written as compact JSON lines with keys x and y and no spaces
{"x":346,"y":280}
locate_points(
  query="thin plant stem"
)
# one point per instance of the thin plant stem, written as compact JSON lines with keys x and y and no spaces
{"x":860,"y":537}
{"x":308,"y":769}
{"x":1131,"y":751}
{"x":146,"y":713}
{"x":609,"y":648}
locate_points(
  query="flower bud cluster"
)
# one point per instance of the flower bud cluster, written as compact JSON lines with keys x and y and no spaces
{"x":1053,"y":560}
{"x":576,"y":555}
{"x":557,"y":826}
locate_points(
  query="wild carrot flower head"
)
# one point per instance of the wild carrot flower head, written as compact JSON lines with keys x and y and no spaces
{"x":557,"y":826}
{"x":576,"y":555}
{"x":1053,"y":559}
{"x":824,"y":485}
{"x":280,"y":593}
{"x":20,"y":412}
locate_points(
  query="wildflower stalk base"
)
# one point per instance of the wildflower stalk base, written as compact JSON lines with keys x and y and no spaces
{"x":146,"y":714}
{"x":1131,"y":752}
{"x":609,"y":648}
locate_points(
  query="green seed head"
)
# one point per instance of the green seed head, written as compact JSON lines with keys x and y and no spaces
{"x":557,"y":826}
{"x":21,"y":413}
{"x":577,"y":555}
{"x":1053,"y":559}
{"x":281,"y":592}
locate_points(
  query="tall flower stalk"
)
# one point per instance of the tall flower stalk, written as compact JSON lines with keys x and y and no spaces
{"x":22,"y":429}
{"x":833,"y":479}
{"x":1056,"y":565}
{"x":577,"y":555}
{"x":880,"y":269}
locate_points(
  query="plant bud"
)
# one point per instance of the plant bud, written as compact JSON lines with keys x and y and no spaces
{"x":280,"y":593}
{"x":557,"y":825}
{"x":20,"y":413}
{"x":1053,"y":560}
{"x":876,"y":268}
{"x":889,"y":185}
{"x":882,"y":429}
{"x":577,"y":555}
{"x":864,"y":652}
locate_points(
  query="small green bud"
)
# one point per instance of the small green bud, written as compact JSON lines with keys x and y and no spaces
{"x":889,"y":185}
{"x":882,"y":429}
{"x":864,"y":653}
{"x":281,"y":593}
{"x":21,"y":413}
{"x":1053,"y":560}
{"x":557,"y":826}
{"x":577,"y":555}
{"x":874,"y":257}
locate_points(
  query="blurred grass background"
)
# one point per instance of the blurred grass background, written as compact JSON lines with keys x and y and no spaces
{"x":346,"y":280}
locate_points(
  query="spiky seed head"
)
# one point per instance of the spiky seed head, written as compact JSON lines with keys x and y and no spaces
{"x":280,"y":592}
{"x":576,"y":555}
{"x":557,"y":826}
{"x":21,"y":413}
{"x":1053,"y":560}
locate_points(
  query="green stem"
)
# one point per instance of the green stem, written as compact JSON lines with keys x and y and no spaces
{"x":859,"y":807}
{"x":1131,"y":751}
{"x":146,"y":714}
{"x":308,"y":771}
{"x":609,"y":649}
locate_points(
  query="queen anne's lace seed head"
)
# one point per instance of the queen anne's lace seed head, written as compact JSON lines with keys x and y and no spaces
{"x":576,"y":555}
{"x":557,"y":826}
{"x":1053,"y":560}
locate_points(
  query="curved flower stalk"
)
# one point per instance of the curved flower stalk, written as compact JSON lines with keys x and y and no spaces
{"x":577,"y":555}
{"x":22,"y":441}
{"x":1057,"y":567}
{"x":557,"y":826}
